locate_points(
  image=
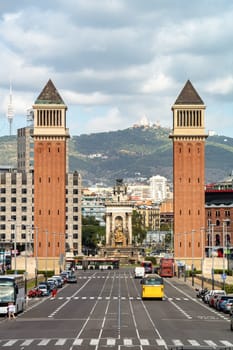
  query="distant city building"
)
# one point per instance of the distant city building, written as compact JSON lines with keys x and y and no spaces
{"x":158,"y":188}
{"x":17,"y":188}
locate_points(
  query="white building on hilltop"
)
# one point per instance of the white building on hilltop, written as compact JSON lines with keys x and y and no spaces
{"x":158,"y":188}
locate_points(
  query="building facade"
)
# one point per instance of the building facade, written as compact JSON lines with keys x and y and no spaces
{"x":188,"y":138}
{"x":41,"y":200}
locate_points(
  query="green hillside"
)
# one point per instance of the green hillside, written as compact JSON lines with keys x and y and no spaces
{"x":130,"y":153}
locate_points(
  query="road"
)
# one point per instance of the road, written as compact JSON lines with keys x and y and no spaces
{"x":104,"y":310}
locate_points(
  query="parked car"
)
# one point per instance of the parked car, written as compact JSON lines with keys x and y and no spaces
{"x":212,"y":292}
{"x":35,"y":292}
{"x":220,"y":300}
{"x":213,"y":298}
{"x":45,"y":288}
{"x":64,"y":275}
{"x":231,"y":318}
{"x":60,"y":281}
{"x":227,"y":306}
{"x":53,"y":281}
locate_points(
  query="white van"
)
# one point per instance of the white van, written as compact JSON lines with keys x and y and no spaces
{"x":139,"y":272}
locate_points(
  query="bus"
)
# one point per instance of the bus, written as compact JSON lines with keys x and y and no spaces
{"x":12,"y":290}
{"x":101,"y":263}
{"x":148,"y":266}
{"x":152,"y":287}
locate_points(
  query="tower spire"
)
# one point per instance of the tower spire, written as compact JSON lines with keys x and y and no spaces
{"x":10,"y":111}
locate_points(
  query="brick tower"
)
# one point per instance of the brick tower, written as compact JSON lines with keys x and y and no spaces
{"x":50,"y":158}
{"x":189,"y":174}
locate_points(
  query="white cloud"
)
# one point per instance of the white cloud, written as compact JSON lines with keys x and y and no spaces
{"x":131,"y":57}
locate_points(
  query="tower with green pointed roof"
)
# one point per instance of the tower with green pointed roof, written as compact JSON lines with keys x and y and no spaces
{"x":50,"y":167}
{"x":188,"y":138}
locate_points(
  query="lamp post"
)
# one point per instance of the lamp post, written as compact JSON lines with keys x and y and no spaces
{"x":36,"y":252}
{"x":185,"y":254}
{"x":193,"y":231}
{"x":212,"y":269}
{"x":14,"y":234}
{"x":46,"y":258}
{"x":202,"y":255}
{"x":15,"y":237}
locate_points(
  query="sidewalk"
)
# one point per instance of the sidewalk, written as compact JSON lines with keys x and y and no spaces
{"x":207,"y":281}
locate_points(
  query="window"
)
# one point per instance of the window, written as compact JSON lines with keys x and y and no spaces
{"x":24,"y":200}
{"x":217,"y":213}
{"x":75,"y":218}
{"x":75,"y":191}
{"x":13,"y":190}
{"x":3,"y":200}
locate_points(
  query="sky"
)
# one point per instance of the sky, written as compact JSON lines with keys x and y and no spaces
{"x":116,"y":62}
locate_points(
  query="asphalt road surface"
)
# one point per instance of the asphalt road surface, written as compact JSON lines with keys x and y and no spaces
{"x":104,"y":310}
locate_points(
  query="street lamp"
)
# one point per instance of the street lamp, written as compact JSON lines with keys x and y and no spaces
{"x":202,"y":255}
{"x":36,"y":252}
{"x":212,"y":269}
{"x":14,"y":233}
{"x":193,"y":231}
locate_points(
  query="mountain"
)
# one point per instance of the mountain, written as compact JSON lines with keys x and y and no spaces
{"x":130,"y":153}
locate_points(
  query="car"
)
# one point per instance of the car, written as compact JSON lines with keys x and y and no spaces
{"x":53,"y":281}
{"x":227,"y":306}
{"x":212,"y":292}
{"x":220,"y":300}
{"x":60,"y":281}
{"x":231,"y":318}
{"x":71,"y":279}
{"x":64,"y":275}
{"x":44,"y":288}
{"x":139,"y":272}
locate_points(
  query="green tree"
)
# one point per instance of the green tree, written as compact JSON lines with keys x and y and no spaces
{"x":92,"y":232}
{"x":138,"y":229}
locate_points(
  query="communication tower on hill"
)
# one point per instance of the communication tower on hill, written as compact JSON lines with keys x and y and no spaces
{"x":10,"y":112}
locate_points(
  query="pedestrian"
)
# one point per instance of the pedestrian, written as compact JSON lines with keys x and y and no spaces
{"x":11,"y":310}
{"x":54,"y":292}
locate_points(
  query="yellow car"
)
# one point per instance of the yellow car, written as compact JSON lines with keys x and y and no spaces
{"x":152,"y":287}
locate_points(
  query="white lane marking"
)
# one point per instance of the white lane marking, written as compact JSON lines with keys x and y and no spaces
{"x":161,"y":342}
{"x":10,"y":342}
{"x":60,"y":341}
{"x":67,"y":301}
{"x":210,"y":343}
{"x":181,"y":310}
{"x":111,"y":342}
{"x":27,"y":342}
{"x":193,"y":342}
{"x":44,"y":342}
{"x":177,"y":342}
{"x":94,"y":342}
{"x":144,"y":342}
{"x":78,"y":341}
{"x":127,"y":342}
{"x":226,"y":343}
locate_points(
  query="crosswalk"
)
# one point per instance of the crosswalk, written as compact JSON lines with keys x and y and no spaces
{"x":110,"y":342}
{"x":115,"y":298}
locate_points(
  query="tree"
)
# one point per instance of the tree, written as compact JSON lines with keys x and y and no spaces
{"x":138,"y":229}
{"x":92,"y":232}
